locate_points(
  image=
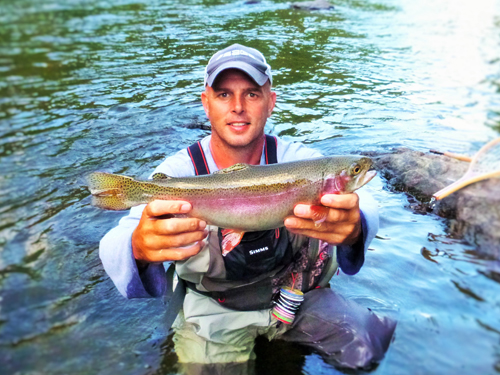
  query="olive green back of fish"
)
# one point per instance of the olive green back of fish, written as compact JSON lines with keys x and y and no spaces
{"x":244,"y":175}
{"x":116,"y":192}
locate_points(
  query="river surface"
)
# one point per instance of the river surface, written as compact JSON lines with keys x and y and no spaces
{"x":115,"y":86}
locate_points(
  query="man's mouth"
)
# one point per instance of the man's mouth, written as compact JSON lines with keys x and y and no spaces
{"x":238,"y":125}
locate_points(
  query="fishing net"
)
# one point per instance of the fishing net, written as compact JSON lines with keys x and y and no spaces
{"x":485,"y":164}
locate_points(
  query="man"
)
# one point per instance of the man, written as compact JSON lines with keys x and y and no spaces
{"x":229,"y":295}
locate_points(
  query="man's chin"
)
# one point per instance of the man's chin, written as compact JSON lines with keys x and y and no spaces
{"x":240,"y":140}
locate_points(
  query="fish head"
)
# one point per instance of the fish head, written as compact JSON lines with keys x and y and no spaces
{"x":349,"y":174}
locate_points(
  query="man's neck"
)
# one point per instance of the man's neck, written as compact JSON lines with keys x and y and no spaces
{"x":226,"y":156}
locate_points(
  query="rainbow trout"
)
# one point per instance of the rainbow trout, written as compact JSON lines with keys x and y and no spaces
{"x":242,"y":197}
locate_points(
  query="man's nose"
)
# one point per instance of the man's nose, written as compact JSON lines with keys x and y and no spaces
{"x":238,"y":105}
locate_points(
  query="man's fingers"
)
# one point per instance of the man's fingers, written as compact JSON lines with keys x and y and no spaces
{"x":158,"y":242}
{"x":294,"y":224}
{"x":340,"y":201}
{"x":174,"y":254}
{"x":184,"y":239}
{"x":161,"y":207}
{"x":332,"y":238}
{"x":178,"y":225}
{"x":319,"y":214}
{"x":331,"y":233}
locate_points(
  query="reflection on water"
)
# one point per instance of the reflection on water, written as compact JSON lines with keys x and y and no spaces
{"x":89,"y":85}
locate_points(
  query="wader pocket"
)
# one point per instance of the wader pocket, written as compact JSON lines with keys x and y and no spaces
{"x":257,"y":253}
{"x":257,"y":296}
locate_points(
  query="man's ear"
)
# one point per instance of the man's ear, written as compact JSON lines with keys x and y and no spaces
{"x":204,"y":101}
{"x":272,"y":103}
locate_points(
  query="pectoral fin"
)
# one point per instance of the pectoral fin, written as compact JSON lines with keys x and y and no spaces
{"x":231,"y":239}
{"x":319,"y":215}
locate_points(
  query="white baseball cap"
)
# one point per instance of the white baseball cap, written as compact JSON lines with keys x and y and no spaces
{"x":239,"y":57}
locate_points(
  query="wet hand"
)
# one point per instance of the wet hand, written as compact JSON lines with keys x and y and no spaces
{"x":337,"y":221}
{"x":160,"y":237}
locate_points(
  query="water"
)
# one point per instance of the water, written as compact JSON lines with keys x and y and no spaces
{"x":93,"y":85}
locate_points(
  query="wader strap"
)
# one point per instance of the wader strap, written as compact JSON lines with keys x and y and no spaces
{"x":200,"y":164}
{"x":197,"y":156}
{"x":175,"y":298}
{"x":271,"y":149}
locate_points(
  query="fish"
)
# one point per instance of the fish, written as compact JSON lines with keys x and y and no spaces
{"x":243,"y":197}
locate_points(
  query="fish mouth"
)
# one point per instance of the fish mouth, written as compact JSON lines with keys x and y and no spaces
{"x":366,"y":176}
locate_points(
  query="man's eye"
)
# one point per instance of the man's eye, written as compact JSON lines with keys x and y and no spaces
{"x":252,"y":95}
{"x":223,"y":95}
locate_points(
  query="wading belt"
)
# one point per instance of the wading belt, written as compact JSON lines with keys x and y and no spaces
{"x":195,"y":151}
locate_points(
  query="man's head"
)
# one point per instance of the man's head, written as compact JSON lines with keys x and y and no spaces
{"x":236,"y":56}
{"x":238,"y":97}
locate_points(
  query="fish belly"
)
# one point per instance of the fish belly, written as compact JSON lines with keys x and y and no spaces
{"x":252,"y":212}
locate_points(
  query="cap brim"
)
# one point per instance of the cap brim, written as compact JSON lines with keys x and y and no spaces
{"x":255,"y":74}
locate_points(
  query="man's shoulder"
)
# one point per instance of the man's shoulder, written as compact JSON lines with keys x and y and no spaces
{"x":291,"y":151}
{"x":177,"y":165}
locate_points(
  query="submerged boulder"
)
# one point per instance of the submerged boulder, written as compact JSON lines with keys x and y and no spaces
{"x":473,"y":212}
{"x":313,"y":5}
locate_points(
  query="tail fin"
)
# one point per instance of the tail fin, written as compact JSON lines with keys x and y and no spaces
{"x":110,"y":191}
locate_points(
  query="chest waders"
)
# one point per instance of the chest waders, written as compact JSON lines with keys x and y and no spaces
{"x":258,"y":253}
{"x":243,"y":279}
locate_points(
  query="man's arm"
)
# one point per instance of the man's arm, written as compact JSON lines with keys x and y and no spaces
{"x":115,"y":251}
{"x":352,"y":222}
{"x":133,"y":252}
{"x":339,"y":221}
{"x":351,"y":258}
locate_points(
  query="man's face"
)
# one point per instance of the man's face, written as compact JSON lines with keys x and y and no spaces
{"x":238,"y":108}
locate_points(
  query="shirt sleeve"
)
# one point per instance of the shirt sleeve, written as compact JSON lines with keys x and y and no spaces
{"x":351,"y":258}
{"x":115,"y":248}
{"x":115,"y":251}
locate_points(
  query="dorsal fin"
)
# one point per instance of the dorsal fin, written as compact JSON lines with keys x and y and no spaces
{"x":160,"y":176}
{"x":233,"y":168}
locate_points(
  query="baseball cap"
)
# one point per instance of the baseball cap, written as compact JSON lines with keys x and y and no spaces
{"x":239,"y":57}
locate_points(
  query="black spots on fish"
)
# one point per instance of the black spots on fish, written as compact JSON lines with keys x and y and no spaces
{"x":160,"y":176}
{"x":272,"y":188}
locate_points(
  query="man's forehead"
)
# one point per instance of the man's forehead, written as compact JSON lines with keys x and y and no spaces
{"x":227,"y":75}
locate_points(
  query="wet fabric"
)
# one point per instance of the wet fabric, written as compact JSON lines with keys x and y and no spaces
{"x":343,"y":332}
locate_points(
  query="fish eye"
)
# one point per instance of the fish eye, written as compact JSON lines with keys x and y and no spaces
{"x":356,"y":169}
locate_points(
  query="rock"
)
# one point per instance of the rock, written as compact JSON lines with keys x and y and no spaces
{"x":313,"y":5}
{"x":473,"y":212}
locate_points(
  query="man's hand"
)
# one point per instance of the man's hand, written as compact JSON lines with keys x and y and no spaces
{"x":160,"y":237}
{"x":337,"y":221}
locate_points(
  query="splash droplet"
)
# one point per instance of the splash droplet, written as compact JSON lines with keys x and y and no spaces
{"x":432,"y":204}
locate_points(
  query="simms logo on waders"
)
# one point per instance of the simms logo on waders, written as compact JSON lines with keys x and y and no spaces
{"x":256,"y":251}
